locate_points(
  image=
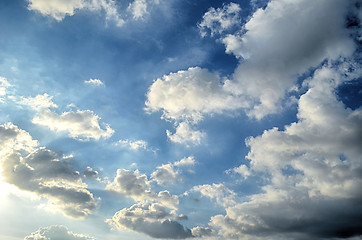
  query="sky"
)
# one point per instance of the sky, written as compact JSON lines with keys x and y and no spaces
{"x":179,"y":119}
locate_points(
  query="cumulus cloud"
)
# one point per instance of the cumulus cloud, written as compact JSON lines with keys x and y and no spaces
{"x":135,"y":185}
{"x":169,"y":173}
{"x":219,"y":20}
{"x":43,"y":172}
{"x":82,"y":125}
{"x":185,"y":134}
{"x":94,"y":81}
{"x":38,"y":102}
{"x":276,"y":45}
{"x":59,"y":9}
{"x":223,"y":195}
{"x":189,"y":94}
{"x":282,"y":41}
{"x":56,"y":232}
{"x":313,"y":168}
{"x":152,"y":219}
{"x":185,"y":97}
{"x":130,"y":183}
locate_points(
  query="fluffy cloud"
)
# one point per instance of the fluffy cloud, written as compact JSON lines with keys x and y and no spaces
{"x":95,"y":82}
{"x":56,"y":232}
{"x":58,"y":9}
{"x":221,"y":19}
{"x":189,"y":94}
{"x":314,"y":171}
{"x":223,"y":195}
{"x":43,"y":172}
{"x":282,"y":41}
{"x":167,"y":173}
{"x":185,"y":97}
{"x":38,"y":102}
{"x":186,"y":134}
{"x":275,"y":46}
{"x":130,"y":183}
{"x":152,"y":219}
{"x":80,"y":124}
{"x":137,"y":186}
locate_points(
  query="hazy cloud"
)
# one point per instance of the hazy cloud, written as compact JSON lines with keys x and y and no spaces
{"x":134,"y":145}
{"x":216,"y":21}
{"x":83,"y":125}
{"x":4,"y":84}
{"x":94,"y":81}
{"x":38,"y":102}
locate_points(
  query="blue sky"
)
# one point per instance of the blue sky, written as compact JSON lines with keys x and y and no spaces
{"x":170,"y":119}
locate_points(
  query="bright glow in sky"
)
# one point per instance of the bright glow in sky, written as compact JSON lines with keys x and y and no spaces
{"x":174,"y":119}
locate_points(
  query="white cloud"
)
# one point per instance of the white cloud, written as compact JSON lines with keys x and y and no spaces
{"x":138,"y":8}
{"x":130,"y":183}
{"x":56,"y":232}
{"x":152,"y":219}
{"x":94,"y":81}
{"x":223,"y":195}
{"x":243,"y":170}
{"x":219,"y":20}
{"x":38,"y":102}
{"x":134,"y":185}
{"x":134,"y":145}
{"x":275,"y":46}
{"x":187,"y":161}
{"x":189,"y":94}
{"x":313,"y":168}
{"x":185,"y":97}
{"x":82,"y":125}
{"x":282,"y":41}
{"x":59,"y":9}
{"x":4,"y":84}
{"x":167,"y":173}
{"x":43,"y":172}
{"x":185,"y":134}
